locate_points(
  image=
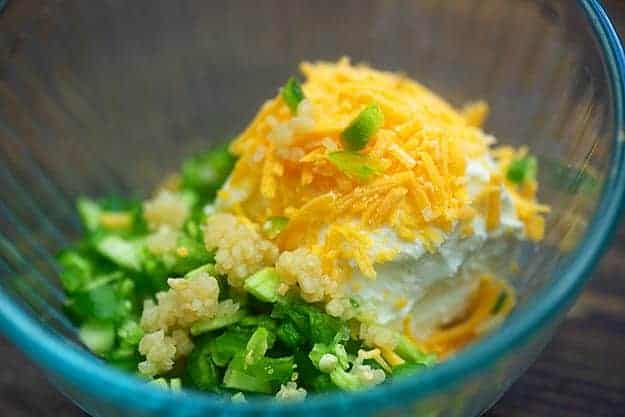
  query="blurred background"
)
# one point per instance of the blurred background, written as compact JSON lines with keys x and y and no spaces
{"x":581,"y":373}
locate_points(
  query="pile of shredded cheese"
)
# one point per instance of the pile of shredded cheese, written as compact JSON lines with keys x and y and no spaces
{"x":420,"y":155}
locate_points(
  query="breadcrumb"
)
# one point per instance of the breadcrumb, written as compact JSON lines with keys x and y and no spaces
{"x":303,"y":267}
{"x":241,"y":250}
{"x":166,"y":209}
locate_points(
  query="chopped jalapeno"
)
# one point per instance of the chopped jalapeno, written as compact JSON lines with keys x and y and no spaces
{"x":357,"y":134}
{"x":292,"y":93}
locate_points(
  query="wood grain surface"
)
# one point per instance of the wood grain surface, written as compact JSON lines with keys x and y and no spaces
{"x":580,"y":374}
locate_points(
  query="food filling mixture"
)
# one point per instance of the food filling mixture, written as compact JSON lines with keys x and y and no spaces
{"x":343,"y":238}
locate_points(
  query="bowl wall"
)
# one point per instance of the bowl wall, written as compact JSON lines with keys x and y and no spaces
{"x":109,"y":97}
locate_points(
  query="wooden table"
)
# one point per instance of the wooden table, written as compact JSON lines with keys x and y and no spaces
{"x":580,"y":374}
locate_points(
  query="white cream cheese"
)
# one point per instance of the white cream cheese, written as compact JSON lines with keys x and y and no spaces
{"x":432,"y":288}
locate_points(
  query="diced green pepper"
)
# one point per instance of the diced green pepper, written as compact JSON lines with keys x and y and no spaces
{"x":499,"y":303}
{"x":292,"y":94}
{"x":215,"y":323}
{"x":207,"y":269}
{"x":264,"y":285}
{"x":98,"y":336}
{"x":236,"y":378}
{"x":175,"y":384}
{"x":77,"y":270}
{"x":89,"y":212}
{"x":130,"y":333}
{"x":224,"y":347}
{"x":345,"y":380}
{"x":354,"y":165}
{"x":522,"y":170}
{"x":201,"y":369}
{"x":409,"y":352}
{"x":190,"y":254}
{"x":288,"y":334}
{"x":124,"y":252}
{"x":257,"y":346}
{"x":357,"y":134}
{"x":408,"y":368}
{"x":160,"y":383}
{"x":274,"y":225}
{"x":207,"y":172}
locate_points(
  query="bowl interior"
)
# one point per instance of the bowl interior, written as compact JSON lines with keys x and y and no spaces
{"x":108,"y":97}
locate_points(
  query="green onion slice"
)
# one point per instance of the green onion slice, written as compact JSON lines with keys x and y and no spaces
{"x":292,"y":93}
{"x":357,"y":134}
{"x":354,"y":165}
{"x":274,"y":225}
{"x":499,"y":303}
{"x":522,"y":170}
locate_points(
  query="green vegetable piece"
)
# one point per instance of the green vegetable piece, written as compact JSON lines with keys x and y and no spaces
{"x":260,"y":320}
{"x":354,"y":165}
{"x":160,"y":383}
{"x":499,"y":303}
{"x":522,"y":170}
{"x":294,"y":312}
{"x":324,"y":327}
{"x":130,"y":333}
{"x":288,"y":334}
{"x":336,"y":350}
{"x":89,"y":212}
{"x":206,"y":173}
{"x":366,"y":124}
{"x":100,"y":303}
{"x":407,"y":368}
{"x":124,"y":252}
{"x":292,"y":94}
{"x":273,"y":226}
{"x":125,"y":363}
{"x":238,"y":379}
{"x":98,"y":336}
{"x":175,"y":384}
{"x":257,"y":346}
{"x":322,"y":383}
{"x":345,"y":380}
{"x":208,"y":269}
{"x":193,"y":255}
{"x":216,"y":323}
{"x":77,"y":270}
{"x":122,"y":354}
{"x":224,"y":347}
{"x":201,"y":369}
{"x":264,"y":285}
{"x":410,"y":353}
{"x":94,"y":216}
{"x":311,"y":323}
{"x":317,"y":352}
{"x":275,"y":370}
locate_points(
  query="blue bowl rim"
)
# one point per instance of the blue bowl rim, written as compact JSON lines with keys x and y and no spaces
{"x":109,"y":385}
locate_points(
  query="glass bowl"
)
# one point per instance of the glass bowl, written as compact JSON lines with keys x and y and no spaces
{"x":101,"y":97}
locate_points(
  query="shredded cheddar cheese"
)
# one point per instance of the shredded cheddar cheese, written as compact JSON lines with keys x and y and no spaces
{"x":478,"y":319}
{"x":420,"y":153}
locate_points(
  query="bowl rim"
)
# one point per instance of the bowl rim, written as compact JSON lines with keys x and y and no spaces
{"x":78,"y":368}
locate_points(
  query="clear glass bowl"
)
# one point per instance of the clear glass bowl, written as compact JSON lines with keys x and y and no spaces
{"x":99,"y":97}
